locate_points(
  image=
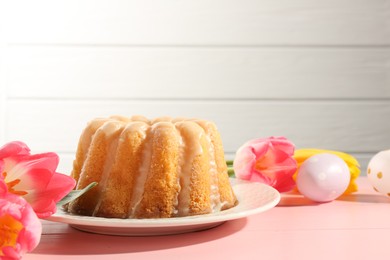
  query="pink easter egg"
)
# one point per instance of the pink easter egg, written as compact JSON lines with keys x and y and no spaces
{"x":323,"y":177}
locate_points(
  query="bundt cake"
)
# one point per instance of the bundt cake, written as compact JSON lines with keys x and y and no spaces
{"x":157,"y":168}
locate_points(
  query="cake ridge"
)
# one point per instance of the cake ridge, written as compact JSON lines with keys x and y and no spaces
{"x":190,"y":148}
{"x":137,"y":194}
{"x":112,"y":129}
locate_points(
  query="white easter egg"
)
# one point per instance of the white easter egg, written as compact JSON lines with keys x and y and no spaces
{"x":378,"y":172}
{"x":323,"y":177}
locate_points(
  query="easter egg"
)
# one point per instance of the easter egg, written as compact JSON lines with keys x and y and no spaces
{"x":323,"y":177}
{"x":378,"y":172}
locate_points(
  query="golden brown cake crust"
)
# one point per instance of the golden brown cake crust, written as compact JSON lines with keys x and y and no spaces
{"x":156,"y":168}
{"x":161,"y":184}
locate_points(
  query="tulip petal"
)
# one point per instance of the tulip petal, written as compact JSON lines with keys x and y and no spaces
{"x":45,"y":189}
{"x":44,"y":207}
{"x":44,"y":160}
{"x":282,"y":144}
{"x":285,"y":184}
{"x":260,"y":149}
{"x":3,"y":188}
{"x":11,"y":253}
{"x":59,"y":186}
{"x":244,"y":162}
{"x":14,"y":148}
{"x":17,"y":165}
{"x":259,"y":177}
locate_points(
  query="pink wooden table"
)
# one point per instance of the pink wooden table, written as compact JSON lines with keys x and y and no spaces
{"x":353,"y":227}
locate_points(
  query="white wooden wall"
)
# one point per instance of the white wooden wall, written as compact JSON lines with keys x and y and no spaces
{"x":317,"y":72}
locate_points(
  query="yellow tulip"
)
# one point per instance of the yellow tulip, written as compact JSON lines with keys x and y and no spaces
{"x":301,"y":155}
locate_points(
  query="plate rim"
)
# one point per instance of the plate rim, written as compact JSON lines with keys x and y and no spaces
{"x":62,"y":216}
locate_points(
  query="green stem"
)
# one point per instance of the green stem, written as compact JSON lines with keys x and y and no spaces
{"x":231,"y":172}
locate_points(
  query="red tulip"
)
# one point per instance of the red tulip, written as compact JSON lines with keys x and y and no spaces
{"x":34,"y":177}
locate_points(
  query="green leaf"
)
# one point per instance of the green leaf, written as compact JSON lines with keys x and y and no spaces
{"x":74,"y":194}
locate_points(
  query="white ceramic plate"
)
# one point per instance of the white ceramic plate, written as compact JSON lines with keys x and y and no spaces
{"x":252,"y":198}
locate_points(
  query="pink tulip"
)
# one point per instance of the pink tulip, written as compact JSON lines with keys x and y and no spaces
{"x":20,"y":228}
{"x":33,"y":177}
{"x":267,"y":160}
